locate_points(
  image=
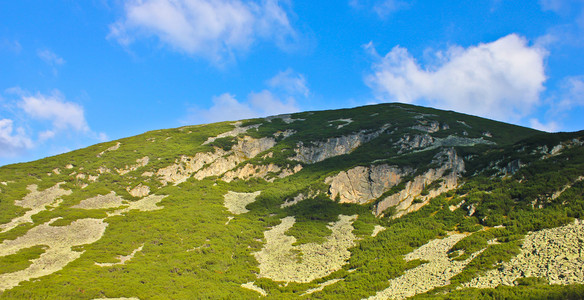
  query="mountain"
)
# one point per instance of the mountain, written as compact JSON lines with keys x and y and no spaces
{"x":380,"y":202}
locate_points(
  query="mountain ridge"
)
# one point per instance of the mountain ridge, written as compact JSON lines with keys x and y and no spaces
{"x":312,"y":204}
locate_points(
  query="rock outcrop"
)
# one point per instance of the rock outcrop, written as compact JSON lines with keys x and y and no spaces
{"x":260,"y":171}
{"x":320,"y":151}
{"x":363,"y":184}
{"x":214,"y":163}
{"x":446,"y":177}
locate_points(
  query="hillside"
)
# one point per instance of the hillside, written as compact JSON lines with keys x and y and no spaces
{"x":380,"y":202}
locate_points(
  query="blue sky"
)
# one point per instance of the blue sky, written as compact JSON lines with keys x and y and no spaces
{"x":76,"y":73}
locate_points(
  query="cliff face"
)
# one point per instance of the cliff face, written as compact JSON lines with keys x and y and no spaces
{"x":362,"y":184}
{"x":446,"y":176}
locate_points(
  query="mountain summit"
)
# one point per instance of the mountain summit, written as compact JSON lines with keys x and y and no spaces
{"x":382,"y":202}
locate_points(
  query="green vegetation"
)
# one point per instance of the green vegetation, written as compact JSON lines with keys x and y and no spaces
{"x":509,"y":189}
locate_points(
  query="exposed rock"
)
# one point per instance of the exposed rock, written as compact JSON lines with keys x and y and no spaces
{"x":149,"y":203}
{"x":36,"y":201}
{"x":298,"y":198}
{"x":110,"y":200}
{"x":112,"y":148}
{"x":139,"y":191}
{"x":279,"y":261}
{"x":451,"y":166}
{"x":435,"y":273}
{"x":409,"y":142}
{"x":426,"y":142}
{"x":363,"y":184}
{"x":287,"y":118}
{"x":232,"y":133}
{"x":429,"y":127}
{"x":346,"y":122}
{"x":58,"y":239}
{"x":141,"y":162}
{"x":377,"y":229}
{"x":122,"y":258}
{"x":554,"y":254}
{"x":253,"y":287}
{"x":249,"y":171}
{"x":321,"y":286}
{"x":236,"y":202}
{"x":284,"y":134}
{"x":215,"y":163}
{"x":333,"y":146}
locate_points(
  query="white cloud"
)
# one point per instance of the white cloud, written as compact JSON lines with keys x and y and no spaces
{"x":62,"y":114}
{"x":549,"y":127}
{"x":291,"y":82}
{"x":501,"y":80}
{"x":50,"y":57}
{"x":213,"y":29}
{"x":12,"y":143}
{"x":382,"y":8}
{"x":227,"y":108}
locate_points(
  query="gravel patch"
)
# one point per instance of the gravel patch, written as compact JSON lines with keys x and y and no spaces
{"x":279,"y":259}
{"x":58,"y":239}
{"x":36,"y":201}
{"x":236,"y":202}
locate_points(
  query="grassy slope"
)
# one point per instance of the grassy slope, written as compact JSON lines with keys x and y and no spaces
{"x":189,"y":252}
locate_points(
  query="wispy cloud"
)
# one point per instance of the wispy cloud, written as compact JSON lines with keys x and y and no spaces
{"x":501,"y":80}
{"x":50,"y":57}
{"x":12,"y":141}
{"x":291,"y":82}
{"x":213,"y":29}
{"x":383,"y":8}
{"x":279,"y":99}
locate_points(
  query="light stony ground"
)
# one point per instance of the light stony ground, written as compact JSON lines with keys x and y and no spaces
{"x":36,"y":201}
{"x":437,"y":272}
{"x":555,"y":254}
{"x":149,"y":203}
{"x":110,"y":200}
{"x":122,"y":258}
{"x":377,"y":229}
{"x":236,"y":202}
{"x":58,"y":239}
{"x":279,"y":261}
{"x":251,"y":286}
{"x":321,"y":286}
{"x":122,"y":298}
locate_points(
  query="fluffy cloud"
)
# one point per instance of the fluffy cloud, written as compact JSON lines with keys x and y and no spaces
{"x":291,"y":82}
{"x":501,"y":80}
{"x":227,"y":108}
{"x":549,"y":127}
{"x":11,"y":142}
{"x":62,"y":114}
{"x":31,"y":120}
{"x":210,"y":28}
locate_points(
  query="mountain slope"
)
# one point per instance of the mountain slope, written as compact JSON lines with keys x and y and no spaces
{"x":387,"y":201}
